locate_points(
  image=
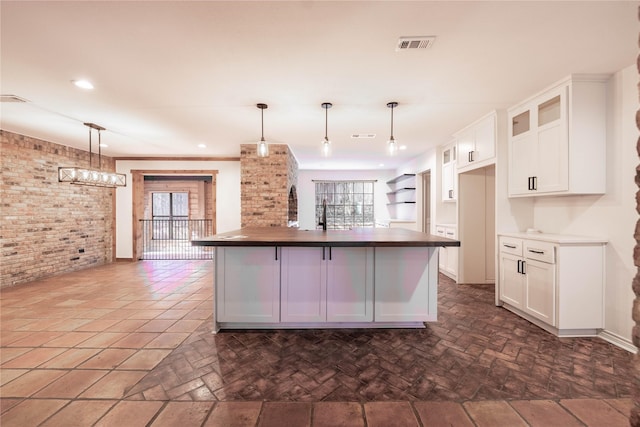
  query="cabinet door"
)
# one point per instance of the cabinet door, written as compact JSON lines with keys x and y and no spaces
{"x":248,"y":285}
{"x":540,"y":291}
{"x":350,"y":285}
{"x":466,"y":145}
{"x":511,"y":280}
{"x":523,"y":158}
{"x":553,"y":143}
{"x":443,"y":251}
{"x":304,"y":285}
{"x":406,"y":284}
{"x":485,"y":140}
{"x":452,"y":253}
{"x":448,"y":182}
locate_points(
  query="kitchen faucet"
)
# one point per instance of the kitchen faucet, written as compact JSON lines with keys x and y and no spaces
{"x":323,"y":219}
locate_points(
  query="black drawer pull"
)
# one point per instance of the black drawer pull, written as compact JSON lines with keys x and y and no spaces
{"x":509,"y":246}
{"x":536,"y":252}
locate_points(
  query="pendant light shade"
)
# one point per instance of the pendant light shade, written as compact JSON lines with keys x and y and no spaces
{"x":263,"y":147}
{"x":392,"y":145}
{"x":326,"y":144}
{"x":91,"y":176}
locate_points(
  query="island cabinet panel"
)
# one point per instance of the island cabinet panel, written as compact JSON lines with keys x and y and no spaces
{"x":248,"y":287}
{"x":350,"y":285}
{"x":304,"y":285}
{"x":327,"y":284}
{"x":402,"y":291}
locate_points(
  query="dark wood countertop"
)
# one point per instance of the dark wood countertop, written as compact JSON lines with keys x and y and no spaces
{"x":361,"y":237}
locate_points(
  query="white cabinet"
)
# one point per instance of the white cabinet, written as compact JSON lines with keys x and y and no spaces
{"x":330,"y":284}
{"x":558,"y":282}
{"x":248,"y":281}
{"x":402,"y":291}
{"x":448,"y":257}
{"x":477,"y":143}
{"x":449,"y":187}
{"x":557,"y":140}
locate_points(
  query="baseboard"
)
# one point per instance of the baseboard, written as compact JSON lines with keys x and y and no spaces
{"x":124,"y":259}
{"x":618,"y":341}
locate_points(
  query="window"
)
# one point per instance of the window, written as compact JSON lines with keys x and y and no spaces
{"x":349,"y":203}
{"x":169,"y":212}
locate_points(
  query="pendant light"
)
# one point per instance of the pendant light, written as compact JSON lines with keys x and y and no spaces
{"x":392,"y":146}
{"x":326,"y":144}
{"x":91,"y":176}
{"x":263,"y":147}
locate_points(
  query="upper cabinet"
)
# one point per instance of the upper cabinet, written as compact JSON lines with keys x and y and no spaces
{"x":477,"y":143}
{"x":449,"y":187}
{"x":557,"y":140}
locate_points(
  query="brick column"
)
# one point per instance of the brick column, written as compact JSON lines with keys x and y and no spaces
{"x":635,"y":411}
{"x":265,"y":183}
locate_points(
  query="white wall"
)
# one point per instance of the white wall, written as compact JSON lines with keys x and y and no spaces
{"x":306,"y":191}
{"x":423,"y":163}
{"x":611,"y":215}
{"x":227,"y":196}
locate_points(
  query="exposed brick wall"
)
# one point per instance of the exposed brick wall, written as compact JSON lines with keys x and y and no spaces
{"x":43,"y":223}
{"x":265,"y":184}
{"x":635,"y":335}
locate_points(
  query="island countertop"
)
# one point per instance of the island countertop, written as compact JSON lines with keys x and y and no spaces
{"x":359,"y":237}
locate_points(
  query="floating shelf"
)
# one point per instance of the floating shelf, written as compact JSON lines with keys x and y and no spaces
{"x":400,"y":203}
{"x":401,"y":178}
{"x":401,"y":190}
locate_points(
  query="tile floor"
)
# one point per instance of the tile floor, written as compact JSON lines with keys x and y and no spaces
{"x":130,"y":344}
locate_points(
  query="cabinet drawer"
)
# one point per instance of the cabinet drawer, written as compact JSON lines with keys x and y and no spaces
{"x":540,"y":251}
{"x":440,"y":231}
{"x":511,"y":246}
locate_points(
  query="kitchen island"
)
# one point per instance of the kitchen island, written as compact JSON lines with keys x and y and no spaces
{"x":292,"y":278}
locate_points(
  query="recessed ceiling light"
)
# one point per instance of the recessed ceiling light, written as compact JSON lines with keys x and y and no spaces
{"x":83,"y":84}
{"x":202,"y":146}
{"x":381,"y":165}
{"x":403,"y":147}
{"x":103,"y":145}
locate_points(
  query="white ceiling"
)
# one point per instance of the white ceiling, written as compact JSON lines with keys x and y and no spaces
{"x":170,"y":75}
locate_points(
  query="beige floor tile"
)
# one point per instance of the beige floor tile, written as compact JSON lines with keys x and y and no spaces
{"x":156,"y":325}
{"x":594,"y":412}
{"x":8,"y":353}
{"x":113,"y":385}
{"x":31,"y":412}
{"x":72,"y":384}
{"x":146,"y":314}
{"x":543,"y":413}
{"x":127,"y":325}
{"x":108,"y":358}
{"x":338,"y":414}
{"x":70,"y":339}
{"x":80,"y":413}
{"x":97,"y":325}
{"x":441,"y":414}
{"x":136,"y":340}
{"x":102,"y":340}
{"x":6,"y":404}
{"x":183,"y":413}
{"x":168,"y":340}
{"x":30,"y":382}
{"x":173,"y":314}
{"x":185,"y":326}
{"x":7,"y":375}
{"x":622,"y":405}
{"x":144,"y":359}
{"x":493,"y":413}
{"x":234,"y":414}
{"x":384,"y":414}
{"x":71,"y":358}
{"x":33,"y":358}
{"x":36,"y":339}
{"x":130,"y":414}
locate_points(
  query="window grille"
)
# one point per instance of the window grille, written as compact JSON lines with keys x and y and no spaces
{"x":349,"y":203}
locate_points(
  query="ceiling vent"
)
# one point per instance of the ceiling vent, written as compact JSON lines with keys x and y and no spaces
{"x":412,"y":43}
{"x":11,"y":98}
{"x":363,"y":135}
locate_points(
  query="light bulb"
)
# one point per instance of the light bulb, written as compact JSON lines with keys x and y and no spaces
{"x":263,"y":148}
{"x":392,"y":146}
{"x":326,"y":147}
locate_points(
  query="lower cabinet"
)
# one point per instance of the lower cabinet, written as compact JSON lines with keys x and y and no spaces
{"x":247,"y":284}
{"x":402,"y":278}
{"x":293,"y":286}
{"x":327,"y":284}
{"x":558,"y":282}
{"x":448,"y":256}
